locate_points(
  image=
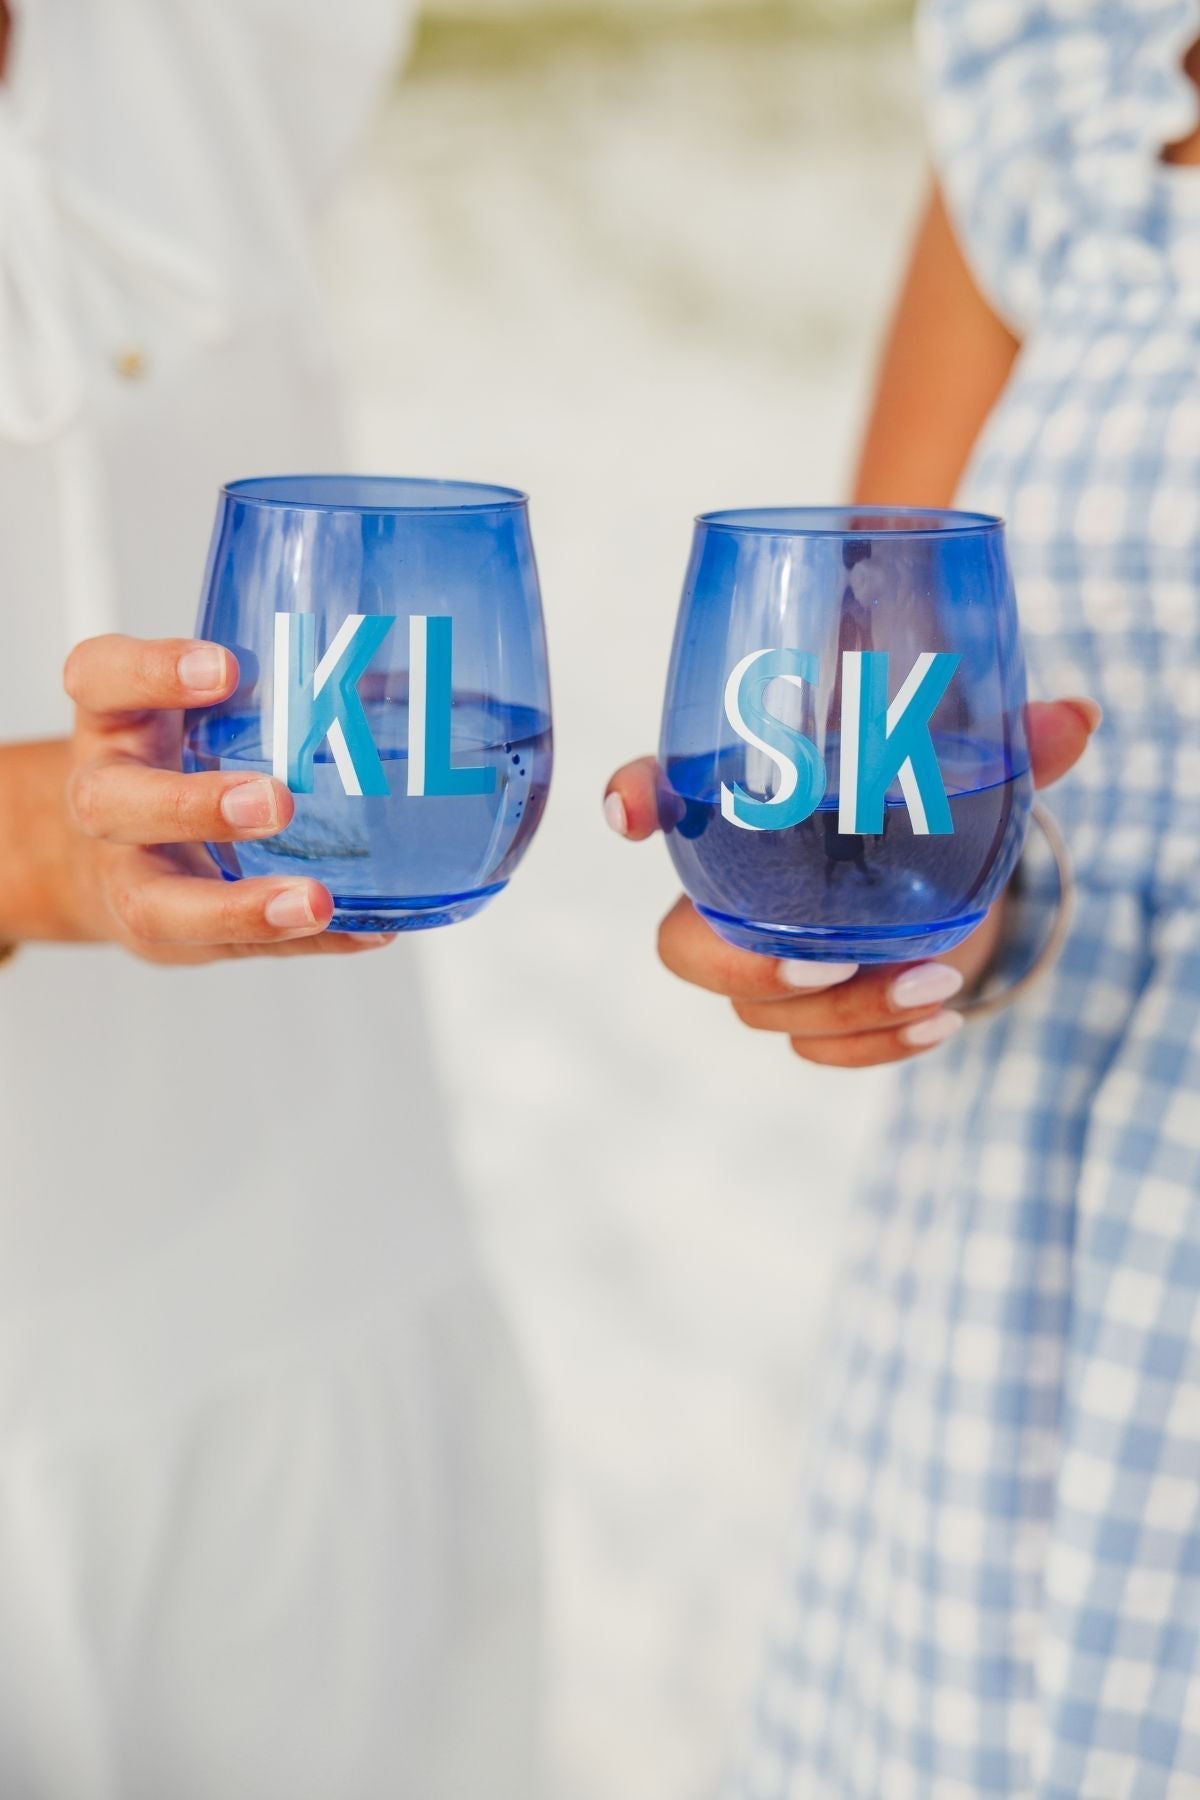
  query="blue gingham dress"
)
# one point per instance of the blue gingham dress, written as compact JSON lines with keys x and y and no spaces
{"x":995,"y":1584}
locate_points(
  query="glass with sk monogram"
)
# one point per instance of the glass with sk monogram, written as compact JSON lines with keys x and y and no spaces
{"x":393,"y":675}
{"x":844,"y":770}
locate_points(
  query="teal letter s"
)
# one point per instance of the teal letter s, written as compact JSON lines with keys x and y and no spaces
{"x":796,"y":758}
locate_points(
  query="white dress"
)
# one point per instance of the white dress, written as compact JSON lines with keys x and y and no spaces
{"x":266,"y":1514}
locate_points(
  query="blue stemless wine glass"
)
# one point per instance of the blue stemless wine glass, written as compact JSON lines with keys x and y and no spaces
{"x":393,"y":676}
{"x":845,"y":774}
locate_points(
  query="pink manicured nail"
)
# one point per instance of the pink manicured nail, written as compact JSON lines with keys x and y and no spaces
{"x":250,"y":806}
{"x":616,"y":816}
{"x":202,"y":669}
{"x":290,"y":910}
{"x":929,"y":1032}
{"x":1090,"y":711}
{"x":811,"y":977}
{"x":927,"y":986}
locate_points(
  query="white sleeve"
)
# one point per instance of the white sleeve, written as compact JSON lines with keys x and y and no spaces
{"x":41,"y":382}
{"x":325,"y":70}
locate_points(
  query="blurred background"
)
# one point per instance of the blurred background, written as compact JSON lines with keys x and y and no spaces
{"x":635,"y":258}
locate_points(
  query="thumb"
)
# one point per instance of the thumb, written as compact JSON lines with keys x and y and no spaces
{"x":631,"y":800}
{"x":1058,"y":733}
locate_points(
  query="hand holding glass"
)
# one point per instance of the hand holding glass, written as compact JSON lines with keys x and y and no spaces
{"x":394,"y":676}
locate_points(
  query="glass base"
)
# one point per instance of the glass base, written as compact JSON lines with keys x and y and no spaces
{"x":850,"y":943}
{"x":391,"y":916}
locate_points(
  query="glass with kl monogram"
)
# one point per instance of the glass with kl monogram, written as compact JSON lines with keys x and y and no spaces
{"x":844,"y":770}
{"x":393,"y":676}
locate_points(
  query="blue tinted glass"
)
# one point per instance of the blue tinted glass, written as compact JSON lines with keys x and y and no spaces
{"x":846,"y":775}
{"x":394,"y":674}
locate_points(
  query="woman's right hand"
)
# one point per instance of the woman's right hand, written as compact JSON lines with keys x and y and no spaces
{"x":133,"y":868}
{"x":836,"y":1014}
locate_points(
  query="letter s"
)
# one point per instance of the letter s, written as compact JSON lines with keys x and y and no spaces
{"x":796,"y":758}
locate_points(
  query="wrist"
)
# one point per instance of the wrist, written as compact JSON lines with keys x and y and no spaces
{"x":990,"y":942}
{"x":1039,"y":909}
{"x":42,"y":896}
{"x":976,"y":955}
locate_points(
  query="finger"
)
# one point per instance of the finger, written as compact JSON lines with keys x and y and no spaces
{"x":112,"y":677}
{"x":631,"y":800}
{"x":691,"y":949}
{"x":1058,"y":733}
{"x":186,"y":909}
{"x":329,"y":943}
{"x":125,"y":802}
{"x":876,"y":1000}
{"x":872,"y":1049}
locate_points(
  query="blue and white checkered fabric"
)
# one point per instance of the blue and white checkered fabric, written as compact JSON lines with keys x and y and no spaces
{"x":995,"y":1584}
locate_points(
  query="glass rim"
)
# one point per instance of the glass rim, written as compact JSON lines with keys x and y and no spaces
{"x":857,"y":522}
{"x":285,"y":492}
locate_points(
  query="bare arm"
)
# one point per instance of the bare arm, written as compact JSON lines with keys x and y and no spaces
{"x":34,"y":842}
{"x":945,"y":363}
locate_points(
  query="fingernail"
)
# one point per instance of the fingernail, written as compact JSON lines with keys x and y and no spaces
{"x":926,"y":986}
{"x":1090,"y":711}
{"x":811,"y":977}
{"x":929,"y":1032}
{"x":370,"y":940}
{"x":250,"y":805}
{"x":202,"y":669}
{"x":616,"y":816}
{"x":290,"y":910}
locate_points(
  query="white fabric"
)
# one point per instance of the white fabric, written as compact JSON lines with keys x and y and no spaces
{"x":265,"y":1526}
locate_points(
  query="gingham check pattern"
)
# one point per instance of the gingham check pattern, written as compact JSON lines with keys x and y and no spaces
{"x":995,"y":1581}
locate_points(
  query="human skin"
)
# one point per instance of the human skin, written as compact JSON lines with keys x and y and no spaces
{"x":1187,"y":150}
{"x":102,"y":836}
{"x":946,"y":361}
